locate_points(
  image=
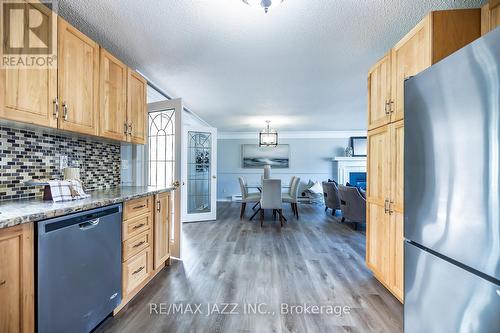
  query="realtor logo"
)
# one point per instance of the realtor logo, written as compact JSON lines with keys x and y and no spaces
{"x":29,"y":33}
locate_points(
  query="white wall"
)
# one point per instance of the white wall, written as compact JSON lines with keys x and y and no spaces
{"x":310,"y":158}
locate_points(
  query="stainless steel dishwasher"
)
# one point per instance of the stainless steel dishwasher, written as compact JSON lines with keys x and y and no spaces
{"x":79,"y":269}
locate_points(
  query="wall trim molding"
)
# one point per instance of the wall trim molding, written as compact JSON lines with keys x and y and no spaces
{"x":294,"y":135}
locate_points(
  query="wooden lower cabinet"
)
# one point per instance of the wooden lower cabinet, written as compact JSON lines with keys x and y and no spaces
{"x":136,"y":270}
{"x":17,"y":312}
{"x":396,"y":255}
{"x":136,"y":225}
{"x":377,"y":240}
{"x":137,"y":207}
{"x":145,"y":230}
{"x":136,"y":244}
{"x":161,"y":229}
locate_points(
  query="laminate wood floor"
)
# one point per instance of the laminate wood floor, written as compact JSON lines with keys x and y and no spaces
{"x":313,"y":261}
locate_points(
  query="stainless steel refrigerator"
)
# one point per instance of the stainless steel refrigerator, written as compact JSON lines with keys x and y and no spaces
{"x":452,"y":193}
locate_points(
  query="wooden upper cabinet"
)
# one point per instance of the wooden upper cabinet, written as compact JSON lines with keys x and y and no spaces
{"x":17,"y":267}
{"x":161,"y":229}
{"x":78,"y":80}
{"x":379,"y":93}
{"x":136,"y":108}
{"x":490,"y":16}
{"x":113,"y":97}
{"x":28,"y":94}
{"x":438,"y":35}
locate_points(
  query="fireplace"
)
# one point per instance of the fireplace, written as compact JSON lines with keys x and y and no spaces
{"x":358,"y":179}
{"x":351,"y":170}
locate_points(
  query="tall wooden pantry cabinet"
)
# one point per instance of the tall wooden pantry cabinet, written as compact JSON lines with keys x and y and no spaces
{"x":439,"y":34}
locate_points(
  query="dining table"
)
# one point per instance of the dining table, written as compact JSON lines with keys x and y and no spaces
{"x":259,"y":188}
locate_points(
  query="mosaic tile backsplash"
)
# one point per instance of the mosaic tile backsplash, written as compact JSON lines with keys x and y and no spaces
{"x":31,"y":155}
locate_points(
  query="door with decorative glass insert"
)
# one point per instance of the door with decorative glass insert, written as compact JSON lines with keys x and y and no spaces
{"x":164,"y":159}
{"x":200,"y":169}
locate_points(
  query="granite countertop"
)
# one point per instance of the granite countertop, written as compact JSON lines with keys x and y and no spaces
{"x":32,"y":210}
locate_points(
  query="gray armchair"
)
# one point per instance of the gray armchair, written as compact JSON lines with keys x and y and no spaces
{"x":331,"y":195}
{"x":352,"y":204}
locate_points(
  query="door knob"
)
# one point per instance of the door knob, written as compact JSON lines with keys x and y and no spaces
{"x":176,"y":184}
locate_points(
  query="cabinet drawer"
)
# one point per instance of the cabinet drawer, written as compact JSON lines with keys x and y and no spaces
{"x":136,"y":225}
{"x":136,"y":244}
{"x":137,"y":207}
{"x":136,"y":270}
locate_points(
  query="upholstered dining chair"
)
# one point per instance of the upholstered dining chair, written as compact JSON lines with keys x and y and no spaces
{"x":292,"y":195}
{"x":246,"y":197}
{"x":271,"y":199}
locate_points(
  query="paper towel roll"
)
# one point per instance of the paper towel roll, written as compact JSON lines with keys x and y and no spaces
{"x":71,"y":173}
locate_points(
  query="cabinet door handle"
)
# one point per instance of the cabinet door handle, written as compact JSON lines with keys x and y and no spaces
{"x":138,"y":207}
{"x":138,"y":244}
{"x":386,"y":210}
{"x":158,"y":208}
{"x":56,"y":108}
{"x":125,"y":128}
{"x":391,"y":103}
{"x":130,"y":128}
{"x":138,"y":270}
{"x":386,"y":108}
{"x":391,"y":210}
{"x":3,"y":282}
{"x":65,"y":111}
{"x":138,"y":226}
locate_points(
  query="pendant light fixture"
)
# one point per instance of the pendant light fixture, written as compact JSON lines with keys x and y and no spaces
{"x":265,"y":4}
{"x":268,"y":137}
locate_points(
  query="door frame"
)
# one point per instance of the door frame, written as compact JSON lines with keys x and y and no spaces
{"x":177,"y":186}
{"x":212,"y":215}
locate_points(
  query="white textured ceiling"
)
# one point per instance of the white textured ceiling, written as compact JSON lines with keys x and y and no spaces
{"x":303,"y":65}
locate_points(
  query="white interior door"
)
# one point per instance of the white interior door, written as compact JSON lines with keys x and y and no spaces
{"x":199,"y":198}
{"x":164,"y":158}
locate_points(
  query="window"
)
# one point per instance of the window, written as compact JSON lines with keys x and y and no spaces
{"x":161,"y":148}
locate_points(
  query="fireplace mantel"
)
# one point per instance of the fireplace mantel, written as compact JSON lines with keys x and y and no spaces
{"x":346,"y":165}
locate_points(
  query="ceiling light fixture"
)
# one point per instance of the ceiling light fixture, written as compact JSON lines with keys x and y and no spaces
{"x":266,"y":4}
{"x":268,"y":137}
